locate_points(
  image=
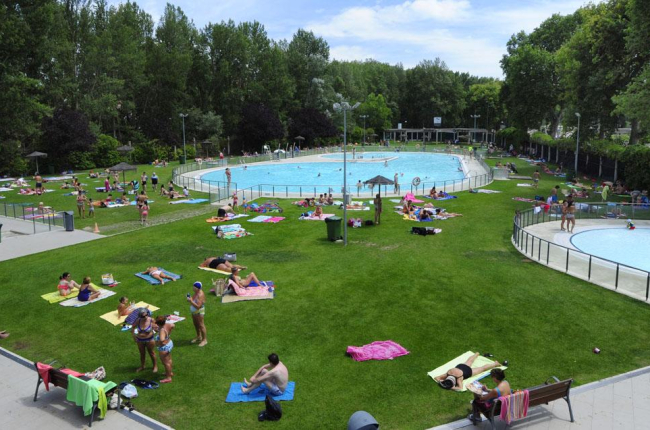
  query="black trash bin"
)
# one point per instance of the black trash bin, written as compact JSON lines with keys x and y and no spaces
{"x":333,"y":228}
{"x":68,"y":220}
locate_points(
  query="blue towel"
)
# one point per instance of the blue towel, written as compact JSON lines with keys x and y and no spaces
{"x":258,"y":395}
{"x":254,"y":284}
{"x":153,"y":281}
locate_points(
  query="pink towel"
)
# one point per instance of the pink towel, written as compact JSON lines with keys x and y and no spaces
{"x":409,"y":197}
{"x":380,"y":350}
{"x":275,"y":219}
{"x":514,"y":406}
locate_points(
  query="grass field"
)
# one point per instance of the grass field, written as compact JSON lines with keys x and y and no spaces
{"x":438,"y":296}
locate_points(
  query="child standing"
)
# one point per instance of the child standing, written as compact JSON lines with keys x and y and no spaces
{"x":91,"y":209}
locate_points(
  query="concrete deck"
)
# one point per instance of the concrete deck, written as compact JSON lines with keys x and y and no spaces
{"x":18,"y":238}
{"x":620,"y":402}
{"x":52,"y":411}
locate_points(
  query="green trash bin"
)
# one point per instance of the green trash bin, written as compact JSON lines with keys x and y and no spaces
{"x":333,"y":228}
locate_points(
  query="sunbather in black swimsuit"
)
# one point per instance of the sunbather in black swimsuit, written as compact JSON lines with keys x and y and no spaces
{"x":467,"y":371}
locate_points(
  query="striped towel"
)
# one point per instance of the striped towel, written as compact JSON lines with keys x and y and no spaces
{"x":514,"y":406}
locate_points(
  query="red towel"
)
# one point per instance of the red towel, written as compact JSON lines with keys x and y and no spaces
{"x":44,"y":372}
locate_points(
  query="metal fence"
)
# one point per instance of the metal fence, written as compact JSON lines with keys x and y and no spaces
{"x":30,"y":213}
{"x":221,"y":190}
{"x":610,"y":274}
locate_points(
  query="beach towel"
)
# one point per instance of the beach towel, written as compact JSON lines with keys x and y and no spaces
{"x":236,"y":234}
{"x":515,"y":406}
{"x":523,"y":199}
{"x":153,"y":281}
{"x":173,"y":319}
{"x":409,"y":197}
{"x":215,"y":270}
{"x":480,"y":361}
{"x":524,"y":185}
{"x":114,"y":319}
{"x":311,"y":218}
{"x":75,"y":303}
{"x":231,"y":298}
{"x":261,"y":218}
{"x":380,"y":350}
{"x":188,"y":201}
{"x":357,"y":208}
{"x":274,"y":220}
{"x":135,"y":202}
{"x":2,"y":189}
{"x":226,"y":218}
{"x":228,"y":228}
{"x":482,"y":191}
{"x":258,"y":395}
{"x":252,"y":290}
{"x":56,"y":297}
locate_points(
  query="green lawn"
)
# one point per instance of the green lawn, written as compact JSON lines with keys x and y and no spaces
{"x":438,"y":296}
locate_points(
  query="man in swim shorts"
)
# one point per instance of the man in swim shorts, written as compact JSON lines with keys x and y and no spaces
{"x":453,"y":379}
{"x":536,"y":179}
{"x":274,"y":376}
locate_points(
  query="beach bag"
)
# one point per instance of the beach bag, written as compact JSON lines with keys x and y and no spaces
{"x":230,"y":257}
{"x":370,"y":222}
{"x":107,"y":279}
{"x":422,"y":231}
{"x":147,"y":385}
{"x":99,"y":374}
{"x":128,"y":391}
{"x":273,"y":411}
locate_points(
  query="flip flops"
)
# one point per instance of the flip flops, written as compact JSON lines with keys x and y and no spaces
{"x":488,"y":355}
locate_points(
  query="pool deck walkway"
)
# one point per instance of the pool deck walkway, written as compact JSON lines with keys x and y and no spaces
{"x":621,"y":402}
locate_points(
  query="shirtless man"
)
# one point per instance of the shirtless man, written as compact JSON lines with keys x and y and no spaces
{"x":274,"y":376}
{"x":39,"y":184}
{"x":228,"y":175}
{"x":536,"y":179}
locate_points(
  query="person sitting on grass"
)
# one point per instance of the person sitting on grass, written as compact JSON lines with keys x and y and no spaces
{"x":157,"y":274}
{"x":243,"y":283}
{"x":274,"y":376}
{"x":125,"y":308}
{"x":66,"y":284}
{"x":219,"y":263}
{"x":484,"y":402}
{"x":87,"y":292}
{"x":318,"y":213}
{"x":453,"y":379}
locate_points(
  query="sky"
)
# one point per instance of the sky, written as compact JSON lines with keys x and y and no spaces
{"x":468,"y":35}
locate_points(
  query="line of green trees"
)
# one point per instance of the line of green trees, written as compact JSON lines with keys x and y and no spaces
{"x":79,"y":78}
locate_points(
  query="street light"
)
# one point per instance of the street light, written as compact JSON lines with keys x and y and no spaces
{"x":184,"y":115}
{"x":475,"y":118}
{"x":577,"y":145}
{"x":345,"y":107}
{"x":364,"y":127}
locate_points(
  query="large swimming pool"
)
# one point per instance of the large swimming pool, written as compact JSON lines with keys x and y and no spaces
{"x":629,"y":247}
{"x":329,"y":175}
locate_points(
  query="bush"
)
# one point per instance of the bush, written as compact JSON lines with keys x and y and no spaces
{"x":11,"y":160}
{"x":79,"y":160}
{"x":104,"y":152}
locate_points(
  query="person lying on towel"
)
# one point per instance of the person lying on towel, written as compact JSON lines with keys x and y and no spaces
{"x":274,"y":376}
{"x":484,"y":402}
{"x":244,"y":283}
{"x":157,"y":274}
{"x":218,"y":263}
{"x":453,"y":379}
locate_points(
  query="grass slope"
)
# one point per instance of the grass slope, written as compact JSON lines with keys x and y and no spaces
{"x":438,"y":296}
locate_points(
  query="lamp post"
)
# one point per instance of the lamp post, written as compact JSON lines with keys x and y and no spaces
{"x":184,"y":115}
{"x":364,"y":127}
{"x":345,"y":107}
{"x":475,"y":118}
{"x":577,"y":145}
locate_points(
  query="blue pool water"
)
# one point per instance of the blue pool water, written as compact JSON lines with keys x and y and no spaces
{"x":629,"y":247}
{"x":428,"y":167}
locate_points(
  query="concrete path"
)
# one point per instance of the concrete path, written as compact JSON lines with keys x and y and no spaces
{"x":18,"y":238}
{"x":51,"y":411}
{"x":620,"y":402}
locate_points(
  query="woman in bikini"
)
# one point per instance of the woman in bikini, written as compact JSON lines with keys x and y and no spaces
{"x":197,"y":308}
{"x":144,"y":325}
{"x":484,"y":402}
{"x":243,"y":283}
{"x":66,"y":284}
{"x":86,"y":292}
{"x":453,"y":379}
{"x":157,"y":274}
{"x":165,"y":345}
{"x":144,"y":212}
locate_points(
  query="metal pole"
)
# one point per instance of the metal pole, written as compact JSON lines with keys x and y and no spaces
{"x":345,"y":177}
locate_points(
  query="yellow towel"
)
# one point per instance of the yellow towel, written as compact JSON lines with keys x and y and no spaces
{"x":56,"y":297}
{"x":480,"y":361}
{"x":112,"y":317}
{"x":214,"y":270}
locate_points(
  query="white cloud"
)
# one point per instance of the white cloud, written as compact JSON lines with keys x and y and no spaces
{"x":350,"y":53}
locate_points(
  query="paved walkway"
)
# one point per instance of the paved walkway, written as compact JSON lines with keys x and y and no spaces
{"x":19,"y":239}
{"x":51,"y":411}
{"x":620,"y":402}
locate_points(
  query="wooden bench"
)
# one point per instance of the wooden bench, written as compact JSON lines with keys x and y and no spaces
{"x":60,"y":379}
{"x":539,"y":395}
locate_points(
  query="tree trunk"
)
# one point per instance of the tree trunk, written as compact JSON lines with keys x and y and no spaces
{"x":634,"y":132}
{"x":615,"y":169}
{"x":555,"y":124}
{"x":600,"y":167}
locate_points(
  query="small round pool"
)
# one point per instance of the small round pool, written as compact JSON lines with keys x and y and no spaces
{"x":324,"y":175}
{"x":629,"y":247}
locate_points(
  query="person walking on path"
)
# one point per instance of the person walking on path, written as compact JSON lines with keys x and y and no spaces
{"x":154,"y":181}
{"x":377,"y":203}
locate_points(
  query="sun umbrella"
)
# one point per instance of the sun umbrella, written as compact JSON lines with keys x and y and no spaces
{"x":36,"y":155}
{"x":122,"y":167}
{"x":379,"y":180}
